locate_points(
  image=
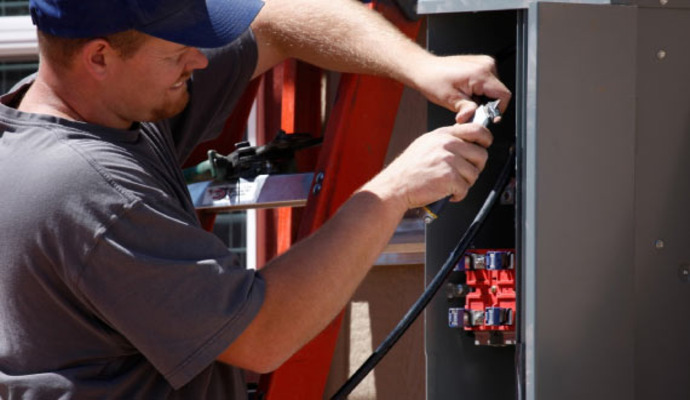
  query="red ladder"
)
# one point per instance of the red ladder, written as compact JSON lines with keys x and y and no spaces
{"x":355,"y":144}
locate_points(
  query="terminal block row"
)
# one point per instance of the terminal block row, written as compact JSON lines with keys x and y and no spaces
{"x":482,"y":296}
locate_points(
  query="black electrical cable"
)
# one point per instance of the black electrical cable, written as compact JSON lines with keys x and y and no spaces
{"x":433,"y":287}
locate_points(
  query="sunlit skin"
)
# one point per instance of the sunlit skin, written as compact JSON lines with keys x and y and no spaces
{"x":104,"y":88}
{"x":152,"y":84}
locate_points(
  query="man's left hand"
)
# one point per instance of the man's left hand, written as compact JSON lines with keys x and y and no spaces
{"x":455,"y":81}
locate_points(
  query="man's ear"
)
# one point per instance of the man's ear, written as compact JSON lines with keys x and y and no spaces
{"x":97,"y":57}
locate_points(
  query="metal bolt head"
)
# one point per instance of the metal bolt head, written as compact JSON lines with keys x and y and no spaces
{"x":661,"y":54}
{"x":659,"y":244}
{"x":663,"y":2}
{"x":318,"y":183}
{"x":684,"y":273}
{"x":451,"y":291}
{"x":508,"y":195}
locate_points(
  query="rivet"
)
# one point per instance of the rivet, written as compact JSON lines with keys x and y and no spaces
{"x":684,"y":273}
{"x":663,"y":2}
{"x":659,"y":244}
{"x":318,"y":180}
{"x":661,"y":54}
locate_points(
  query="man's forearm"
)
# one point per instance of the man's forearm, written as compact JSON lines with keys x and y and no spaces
{"x":346,"y":36}
{"x":307,"y":286}
{"x":340,"y":35}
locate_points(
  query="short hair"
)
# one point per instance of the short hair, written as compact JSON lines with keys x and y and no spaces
{"x":61,"y":51}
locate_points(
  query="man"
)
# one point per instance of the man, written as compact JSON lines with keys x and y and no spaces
{"x":110,"y":289}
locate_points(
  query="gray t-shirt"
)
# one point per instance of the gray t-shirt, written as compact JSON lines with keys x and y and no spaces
{"x":109,"y":287}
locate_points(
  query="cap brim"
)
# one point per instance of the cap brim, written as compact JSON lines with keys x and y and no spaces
{"x":214,"y":24}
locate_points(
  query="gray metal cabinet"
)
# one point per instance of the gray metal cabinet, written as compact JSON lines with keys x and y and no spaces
{"x":601,"y":120}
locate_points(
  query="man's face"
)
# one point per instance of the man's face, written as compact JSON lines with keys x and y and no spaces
{"x":152,"y":84}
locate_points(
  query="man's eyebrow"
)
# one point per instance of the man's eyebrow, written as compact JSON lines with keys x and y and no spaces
{"x":174,"y":52}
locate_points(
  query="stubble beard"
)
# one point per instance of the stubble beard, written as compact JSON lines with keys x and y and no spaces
{"x":171,"y":109}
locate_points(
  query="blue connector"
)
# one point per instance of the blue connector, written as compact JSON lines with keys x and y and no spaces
{"x":497,"y":316}
{"x":497,"y":260}
{"x":455,"y":317}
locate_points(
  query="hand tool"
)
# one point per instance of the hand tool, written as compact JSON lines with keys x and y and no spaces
{"x":485,"y":116}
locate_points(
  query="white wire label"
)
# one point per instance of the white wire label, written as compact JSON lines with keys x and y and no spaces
{"x":233,"y":194}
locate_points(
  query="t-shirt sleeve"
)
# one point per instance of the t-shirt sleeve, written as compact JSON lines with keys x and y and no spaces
{"x":214,"y":92}
{"x":177,"y":297}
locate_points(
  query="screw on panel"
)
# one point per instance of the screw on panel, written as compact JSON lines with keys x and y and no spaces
{"x":663,"y":2}
{"x":317,"y":183}
{"x":684,"y":273}
{"x":659,"y":244}
{"x":456,"y":290}
{"x":661,"y":54}
{"x":508,"y":195}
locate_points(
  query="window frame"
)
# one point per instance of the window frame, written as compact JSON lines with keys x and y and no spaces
{"x":18,"y":39}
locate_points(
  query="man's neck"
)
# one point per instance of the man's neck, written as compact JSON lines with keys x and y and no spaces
{"x":50,"y":99}
{"x":40,"y":98}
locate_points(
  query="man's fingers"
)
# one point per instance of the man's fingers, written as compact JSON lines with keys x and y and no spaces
{"x":444,"y":162}
{"x":460,"y":194}
{"x":465,"y":110}
{"x":466,"y":157}
{"x":495,"y":89}
{"x":467,"y":173}
{"x":470,"y":154}
{"x":492,"y":86}
{"x":472,"y":133}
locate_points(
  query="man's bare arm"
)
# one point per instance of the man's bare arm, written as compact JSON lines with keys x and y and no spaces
{"x":311,"y":283}
{"x":308,"y":285}
{"x":346,"y":36}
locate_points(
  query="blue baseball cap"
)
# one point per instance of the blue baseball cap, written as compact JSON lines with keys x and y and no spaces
{"x":196,"y":23}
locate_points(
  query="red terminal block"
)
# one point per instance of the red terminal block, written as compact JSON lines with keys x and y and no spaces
{"x":490,"y":275}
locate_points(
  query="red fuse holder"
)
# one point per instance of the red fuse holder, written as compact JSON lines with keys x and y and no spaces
{"x":490,"y":307}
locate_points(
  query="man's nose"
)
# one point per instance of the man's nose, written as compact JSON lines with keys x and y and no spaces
{"x":197,"y":60}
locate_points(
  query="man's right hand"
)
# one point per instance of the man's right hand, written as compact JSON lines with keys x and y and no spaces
{"x":446,"y":161}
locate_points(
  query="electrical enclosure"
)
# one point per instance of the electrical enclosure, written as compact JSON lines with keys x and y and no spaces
{"x":600,"y":223}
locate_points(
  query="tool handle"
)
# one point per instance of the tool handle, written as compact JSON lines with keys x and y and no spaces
{"x":431,"y":211}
